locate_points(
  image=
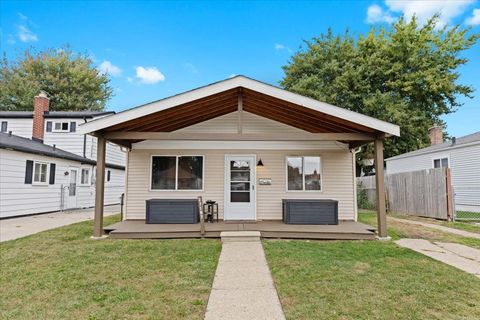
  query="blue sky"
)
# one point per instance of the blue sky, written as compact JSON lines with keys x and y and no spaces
{"x":155,"y":49}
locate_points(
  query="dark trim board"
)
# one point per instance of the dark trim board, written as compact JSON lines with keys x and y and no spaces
{"x":138,"y":229}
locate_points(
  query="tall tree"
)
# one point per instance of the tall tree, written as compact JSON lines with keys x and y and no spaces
{"x":70,"y":79}
{"x":406,"y":74}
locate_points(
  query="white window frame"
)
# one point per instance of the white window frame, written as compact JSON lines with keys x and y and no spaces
{"x":81,"y":176}
{"x":303,"y":173}
{"x":47,"y":173}
{"x":61,"y":125}
{"x":440,"y":157}
{"x":176,"y":173}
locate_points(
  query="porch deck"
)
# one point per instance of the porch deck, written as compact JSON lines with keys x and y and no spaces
{"x":138,"y":229}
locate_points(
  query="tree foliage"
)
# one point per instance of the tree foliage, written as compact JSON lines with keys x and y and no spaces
{"x":406,"y":74}
{"x":70,"y":79}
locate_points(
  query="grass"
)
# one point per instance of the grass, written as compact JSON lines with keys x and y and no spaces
{"x":63,"y":274}
{"x":398,"y":230}
{"x":461,"y":225}
{"x":368,"y":280}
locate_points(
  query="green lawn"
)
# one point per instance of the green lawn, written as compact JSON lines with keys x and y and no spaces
{"x":63,"y":274}
{"x":368,"y":280}
{"x":398,"y":230}
{"x":471,"y":226}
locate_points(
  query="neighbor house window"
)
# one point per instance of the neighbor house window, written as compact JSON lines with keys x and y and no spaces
{"x":61,"y":127}
{"x":4,"y":126}
{"x":177,"y":173}
{"x":40,"y":173}
{"x":108,"y":175}
{"x":304,"y":174}
{"x":85,"y":177}
{"x":440,"y":163}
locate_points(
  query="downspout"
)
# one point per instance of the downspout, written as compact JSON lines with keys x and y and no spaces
{"x":354,"y":173}
{"x":84,"y":140}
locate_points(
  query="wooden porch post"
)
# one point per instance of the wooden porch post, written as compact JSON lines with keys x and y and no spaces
{"x":380,"y":185}
{"x":99,"y":187}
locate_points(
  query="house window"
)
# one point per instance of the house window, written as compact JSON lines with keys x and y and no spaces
{"x":108,"y":175}
{"x":61,"y":127}
{"x":40,"y":173}
{"x":85,"y":177}
{"x":440,"y":163}
{"x":304,"y":174}
{"x":177,"y":173}
{"x":4,"y":126}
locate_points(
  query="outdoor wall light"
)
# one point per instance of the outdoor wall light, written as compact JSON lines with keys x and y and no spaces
{"x":260,"y":163}
{"x":66,"y":173}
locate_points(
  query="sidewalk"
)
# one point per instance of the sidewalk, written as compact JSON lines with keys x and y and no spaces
{"x":243,"y":287}
{"x":23,"y":226}
{"x":458,"y":232}
{"x":456,"y":255}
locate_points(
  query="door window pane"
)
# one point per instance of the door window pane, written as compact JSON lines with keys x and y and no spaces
{"x":72,"y":189}
{"x":239,"y":165}
{"x":312,"y":173}
{"x":190,"y":173}
{"x":240,"y":176}
{"x":240,"y":196}
{"x":295,"y":173}
{"x":163,"y":173}
{"x":239,"y":186}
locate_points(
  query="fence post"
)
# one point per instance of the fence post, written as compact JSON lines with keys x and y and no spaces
{"x":448,"y":180}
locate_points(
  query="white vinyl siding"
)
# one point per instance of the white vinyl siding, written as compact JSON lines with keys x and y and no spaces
{"x":19,"y":126}
{"x":337,"y":181}
{"x":46,"y":198}
{"x":464,"y":163}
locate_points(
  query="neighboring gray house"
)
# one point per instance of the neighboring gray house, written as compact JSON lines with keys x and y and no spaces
{"x":42,"y":156}
{"x":461,"y":155}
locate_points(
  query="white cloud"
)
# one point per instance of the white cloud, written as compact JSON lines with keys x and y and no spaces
{"x":423,"y":10}
{"x":447,"y":9}
{"x":106,"y":67}
{"x":149,"y":75}
{"x":474,"y":19}
{"x":26,"y":35}
{"x":376,"y":14}
{"x":280,"y":47}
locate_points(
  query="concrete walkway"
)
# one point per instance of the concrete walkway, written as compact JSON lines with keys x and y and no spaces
{"x":457,"y":255}
{"x":243,"y":287}
{"x":23,"y":226}
{"x":458,"y":232}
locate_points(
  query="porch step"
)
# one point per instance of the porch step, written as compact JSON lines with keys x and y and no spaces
{"x":240,"y":236}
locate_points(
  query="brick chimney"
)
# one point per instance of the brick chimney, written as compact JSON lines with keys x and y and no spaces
{"x":436,"y":135}
{"x":40,"y":105}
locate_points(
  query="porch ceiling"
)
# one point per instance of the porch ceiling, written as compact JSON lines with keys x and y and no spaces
{"x":219,"y":104}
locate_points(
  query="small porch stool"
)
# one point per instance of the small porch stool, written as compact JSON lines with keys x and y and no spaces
{"x":210,"y":209}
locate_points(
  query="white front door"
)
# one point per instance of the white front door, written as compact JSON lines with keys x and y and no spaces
{"x":72,"y":189}
{"x":240,"y":195}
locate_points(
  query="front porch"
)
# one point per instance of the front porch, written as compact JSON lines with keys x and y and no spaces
{"x":138,"y":229}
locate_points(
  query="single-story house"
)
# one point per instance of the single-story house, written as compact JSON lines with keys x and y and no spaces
{"x":245,"y":145}
{"x":38,"y":178}
{"x":461,"y":155}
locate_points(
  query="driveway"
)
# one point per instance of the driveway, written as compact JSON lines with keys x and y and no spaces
{"x":23,"y":226}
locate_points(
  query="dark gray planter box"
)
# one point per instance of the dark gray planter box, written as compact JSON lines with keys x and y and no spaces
{"x":169,"y":211}
{"x":305,"y":211}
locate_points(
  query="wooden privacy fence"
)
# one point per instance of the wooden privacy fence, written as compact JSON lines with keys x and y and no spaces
{"x":426,"y":193}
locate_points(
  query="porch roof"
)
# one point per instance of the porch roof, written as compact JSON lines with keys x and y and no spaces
{"x":239,"y":94}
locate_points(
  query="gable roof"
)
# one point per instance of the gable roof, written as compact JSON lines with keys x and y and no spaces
{"x":13,"y":142}
{"x":226,"y":92}
{"x":468,"y":139}
{"x":56,"y":114}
